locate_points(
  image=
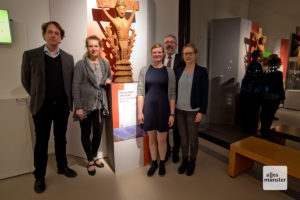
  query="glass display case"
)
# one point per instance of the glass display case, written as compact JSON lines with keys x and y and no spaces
{"x":293,"y":69}
{"x":293,"y":76}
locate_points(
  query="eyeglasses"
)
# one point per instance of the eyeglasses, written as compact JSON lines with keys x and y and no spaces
{"x":169,"y":42}
{"x":188,"y":54}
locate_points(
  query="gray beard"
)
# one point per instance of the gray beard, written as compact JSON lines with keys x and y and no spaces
{"x":171,"y":52}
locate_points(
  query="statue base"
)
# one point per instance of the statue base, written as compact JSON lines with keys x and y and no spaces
{"x":123,"y":72}
{"x":123,"y":79}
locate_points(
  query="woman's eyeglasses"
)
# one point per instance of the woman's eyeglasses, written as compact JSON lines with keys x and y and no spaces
{"x":188,"y":54}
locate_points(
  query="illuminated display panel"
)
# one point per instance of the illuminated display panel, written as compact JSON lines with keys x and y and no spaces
{"x":5,"y":33}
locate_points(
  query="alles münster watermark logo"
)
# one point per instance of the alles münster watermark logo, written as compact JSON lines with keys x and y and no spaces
{"x":275,"y":177}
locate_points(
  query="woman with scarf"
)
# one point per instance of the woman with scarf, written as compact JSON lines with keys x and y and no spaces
{"x":91,"y":75}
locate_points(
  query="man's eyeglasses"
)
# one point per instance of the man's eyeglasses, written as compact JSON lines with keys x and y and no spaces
{"x":170,"y":42}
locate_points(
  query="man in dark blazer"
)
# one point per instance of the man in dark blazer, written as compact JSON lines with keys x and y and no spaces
{"x":173,"y":60}
{"x":47,"y":74}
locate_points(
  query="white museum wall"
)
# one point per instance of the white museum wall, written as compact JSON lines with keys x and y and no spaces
{"x":16,"y":151}
{"x":16,"y":144}
{"x":166,"y":16}
{"x":26,"y":33}
{"x":202,"y":12}
{"x":139,"y":51}
{"x":72,"y":17}
{"x":151,"y":27}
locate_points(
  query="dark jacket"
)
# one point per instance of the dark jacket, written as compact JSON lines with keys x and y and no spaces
{"x":199,"y":94}
{"x":33,"y":77}
{"x":178,"y":62}
{"x":85,"y":88}
{"x":254,"y":80}
{"x":274,"y":86}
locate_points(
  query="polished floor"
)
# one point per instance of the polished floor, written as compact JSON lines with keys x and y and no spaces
{"x":224,"y":134}
{"x":210,"y":181}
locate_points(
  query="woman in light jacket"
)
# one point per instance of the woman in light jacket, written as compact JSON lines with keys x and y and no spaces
{"x":191,"y":104}
{"x":91,"y":75}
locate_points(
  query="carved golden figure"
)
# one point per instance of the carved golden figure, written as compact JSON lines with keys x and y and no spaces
{"x":125,"y":40}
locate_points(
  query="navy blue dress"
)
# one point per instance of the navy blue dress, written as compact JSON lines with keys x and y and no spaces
{"x":156,"y":104}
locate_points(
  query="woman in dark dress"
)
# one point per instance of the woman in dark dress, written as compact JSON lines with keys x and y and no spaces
{"x":273,"y":95}
{"x":156,"y":106}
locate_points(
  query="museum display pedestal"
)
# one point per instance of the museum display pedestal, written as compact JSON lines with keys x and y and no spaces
{"x":127,"y":143}
{"x":292,"y":99}
{"x":16,"y":152}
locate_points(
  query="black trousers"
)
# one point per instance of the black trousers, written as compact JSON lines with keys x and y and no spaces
{"x":91,"y":148}
{"x":58,"y":113}
{"x":250,"y":106}
{"x":268,"y":110}
{"x":176,"y":139}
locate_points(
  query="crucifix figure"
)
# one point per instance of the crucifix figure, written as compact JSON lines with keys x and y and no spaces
{"x":260,"y":40}
{"x":125,"y":40}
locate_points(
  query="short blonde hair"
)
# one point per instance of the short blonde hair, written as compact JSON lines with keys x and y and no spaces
{"x":157,"y":45}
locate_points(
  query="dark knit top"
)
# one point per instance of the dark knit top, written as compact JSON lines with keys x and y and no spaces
{"x":55,"y":91}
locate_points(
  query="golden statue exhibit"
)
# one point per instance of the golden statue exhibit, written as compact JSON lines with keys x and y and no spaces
{"x":120,"y":36}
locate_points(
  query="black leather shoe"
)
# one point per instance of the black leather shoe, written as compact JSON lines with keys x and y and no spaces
{"x":191,"y":167}
{"x":67,"y":172}
{"x":183,"y":166}
{"x":101,"y":165}
{"x":91,"y":172}
{"x":39,"y":185}
{"x":162,"y":168}
{"x":152,"y":169}
{"x":175,"y":157}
